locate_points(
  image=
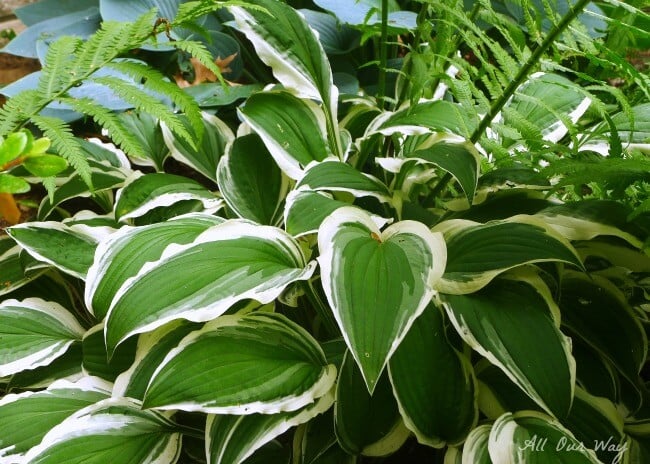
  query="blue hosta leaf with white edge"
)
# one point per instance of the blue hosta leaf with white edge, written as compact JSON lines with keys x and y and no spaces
{"x":507,"y":322}
{"x":232,"y":439}
{"x":204,"y":158}
{"x":33,"y":333}
{"x":256,"y":363}
{"x":124,"y":253}
{"x":333,"y":175}
{"x":293,"y":129}
{"x":528,"y":436}
{"x":199,"y":281}
{"x":68,"y":248}
{"x":358,"y":268}
{"x":477,"y":253}
{"x":147,"y":192}
{"x":111,"y":429}
{"x":26,"y":417}
{"x":251,"y":182}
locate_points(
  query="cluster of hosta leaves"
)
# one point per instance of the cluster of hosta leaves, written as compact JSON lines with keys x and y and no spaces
{"x":334,"y":282}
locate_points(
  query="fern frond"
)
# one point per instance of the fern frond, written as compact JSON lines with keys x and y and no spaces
{"x":64,"y":143}
{"x":58,"y":72}
{"x":191,"y":11}
{"x":156,"y":82}
{"x":17,"y":109}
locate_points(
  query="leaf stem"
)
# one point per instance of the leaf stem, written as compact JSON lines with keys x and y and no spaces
{"x":322,"y":309}
{"x":383,"y":55}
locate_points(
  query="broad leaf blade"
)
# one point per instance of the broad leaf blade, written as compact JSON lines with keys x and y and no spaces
{"x":227,"y":263}
{"x":33,"y":333}
{"x":258,"y":363}
{"x":358,"y":264}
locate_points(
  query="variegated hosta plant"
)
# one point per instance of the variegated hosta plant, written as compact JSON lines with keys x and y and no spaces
{"x":362,"y":283}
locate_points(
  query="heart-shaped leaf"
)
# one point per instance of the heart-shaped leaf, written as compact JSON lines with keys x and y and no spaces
{"x":359,"y":263}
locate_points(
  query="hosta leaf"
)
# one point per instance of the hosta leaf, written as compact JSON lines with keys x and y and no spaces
{"x":225,"y":264}
{"x":232,"y":439}
{"x":477,"y":253}
{"x":152,"y":347}
{"x":358,"y":264}
{"x":461,"y":160}
{"x":341,"y":177}
{"x":251,"y":182}
{"x":366,"y":423}
{"x":587,"y":219}
{"x":423,"y":118}
{"x":315,"y":442}
{"x":337,"y":39}
{"x":95,"y":358}
{"x":33,"y":333}
{"x":12,"y":275}
{"x":66,"y":367}
{"x":258,"y":363}
{"x":597,"y":312}
{"x":124,"y":253}
{"x":439,"y":409}
{"x":285,"y":42}
{"x":67,"y":248}
{"x":293,"y":129}
{"x":151,"y":191}
{"x":305,"y":211}
{"x":507,"y":322}
{"x":528,"y":436}
{"x":147,"y":131}
{"x":112,"y":427}
{"x":26,"y":417}
{"x":205,"y":157}
{"x":475,"y":448}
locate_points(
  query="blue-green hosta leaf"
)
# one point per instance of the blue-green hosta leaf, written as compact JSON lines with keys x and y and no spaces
{"x":151,"y":191}
{"x":257,"y":363}
{"x":439,"y":409}
{"x":205,"y":157}
{"x":336,"y":38}
{"x":227,"y":263}
{"x":111,"y":429}
{"x":26,"y":417}
{"x":251,"y":182}
{"x":293,"y":129}
{"x":305,"y":211}
{"x":528,"y":436}
{"x":440,"y":116}
{"x":477,"y":253}
{"x":285,"y":42}
{"x":596,"y":311}
{"x":12,"y":274}
{"x":461,"y":160}
{"x":550,"y":102}
{"x":587,"y":219}
{"x":341,"y":177}
{"x":368,"y":12}
{"x":33,"y":333}
{"x":365,"y":423}
{"x":151,"y":349}
{"x":124,"y":253}
{"x":33,"y":13}
{"x":358,"y":265}
{"x":232,"y":439}
{"x":507,"y":322}
{"x":67,"y":248}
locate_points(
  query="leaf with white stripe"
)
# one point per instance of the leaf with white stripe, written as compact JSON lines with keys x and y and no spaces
{"x":257,"y":363}
{"x":12,"y":273}
{"x":475,"y":448}
{"x":477,"y":253}
{"x":151,"y":191}
{"x":123,"y":254}
{"x":33,"y":333}
{"x":293,"y":129}
{"x":111,"y":428}
{"x":507,"y":322}
{"x":251,"y":182}
{"x":336,"y":176}
{"x":358,"y":265}
{"x":284,"y":41}
{"x":439,"y":116}
{"x":199,"y":281}
{"x":26,"y":417}
{"x":232,"y":439}
{"x":69,"y":249}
